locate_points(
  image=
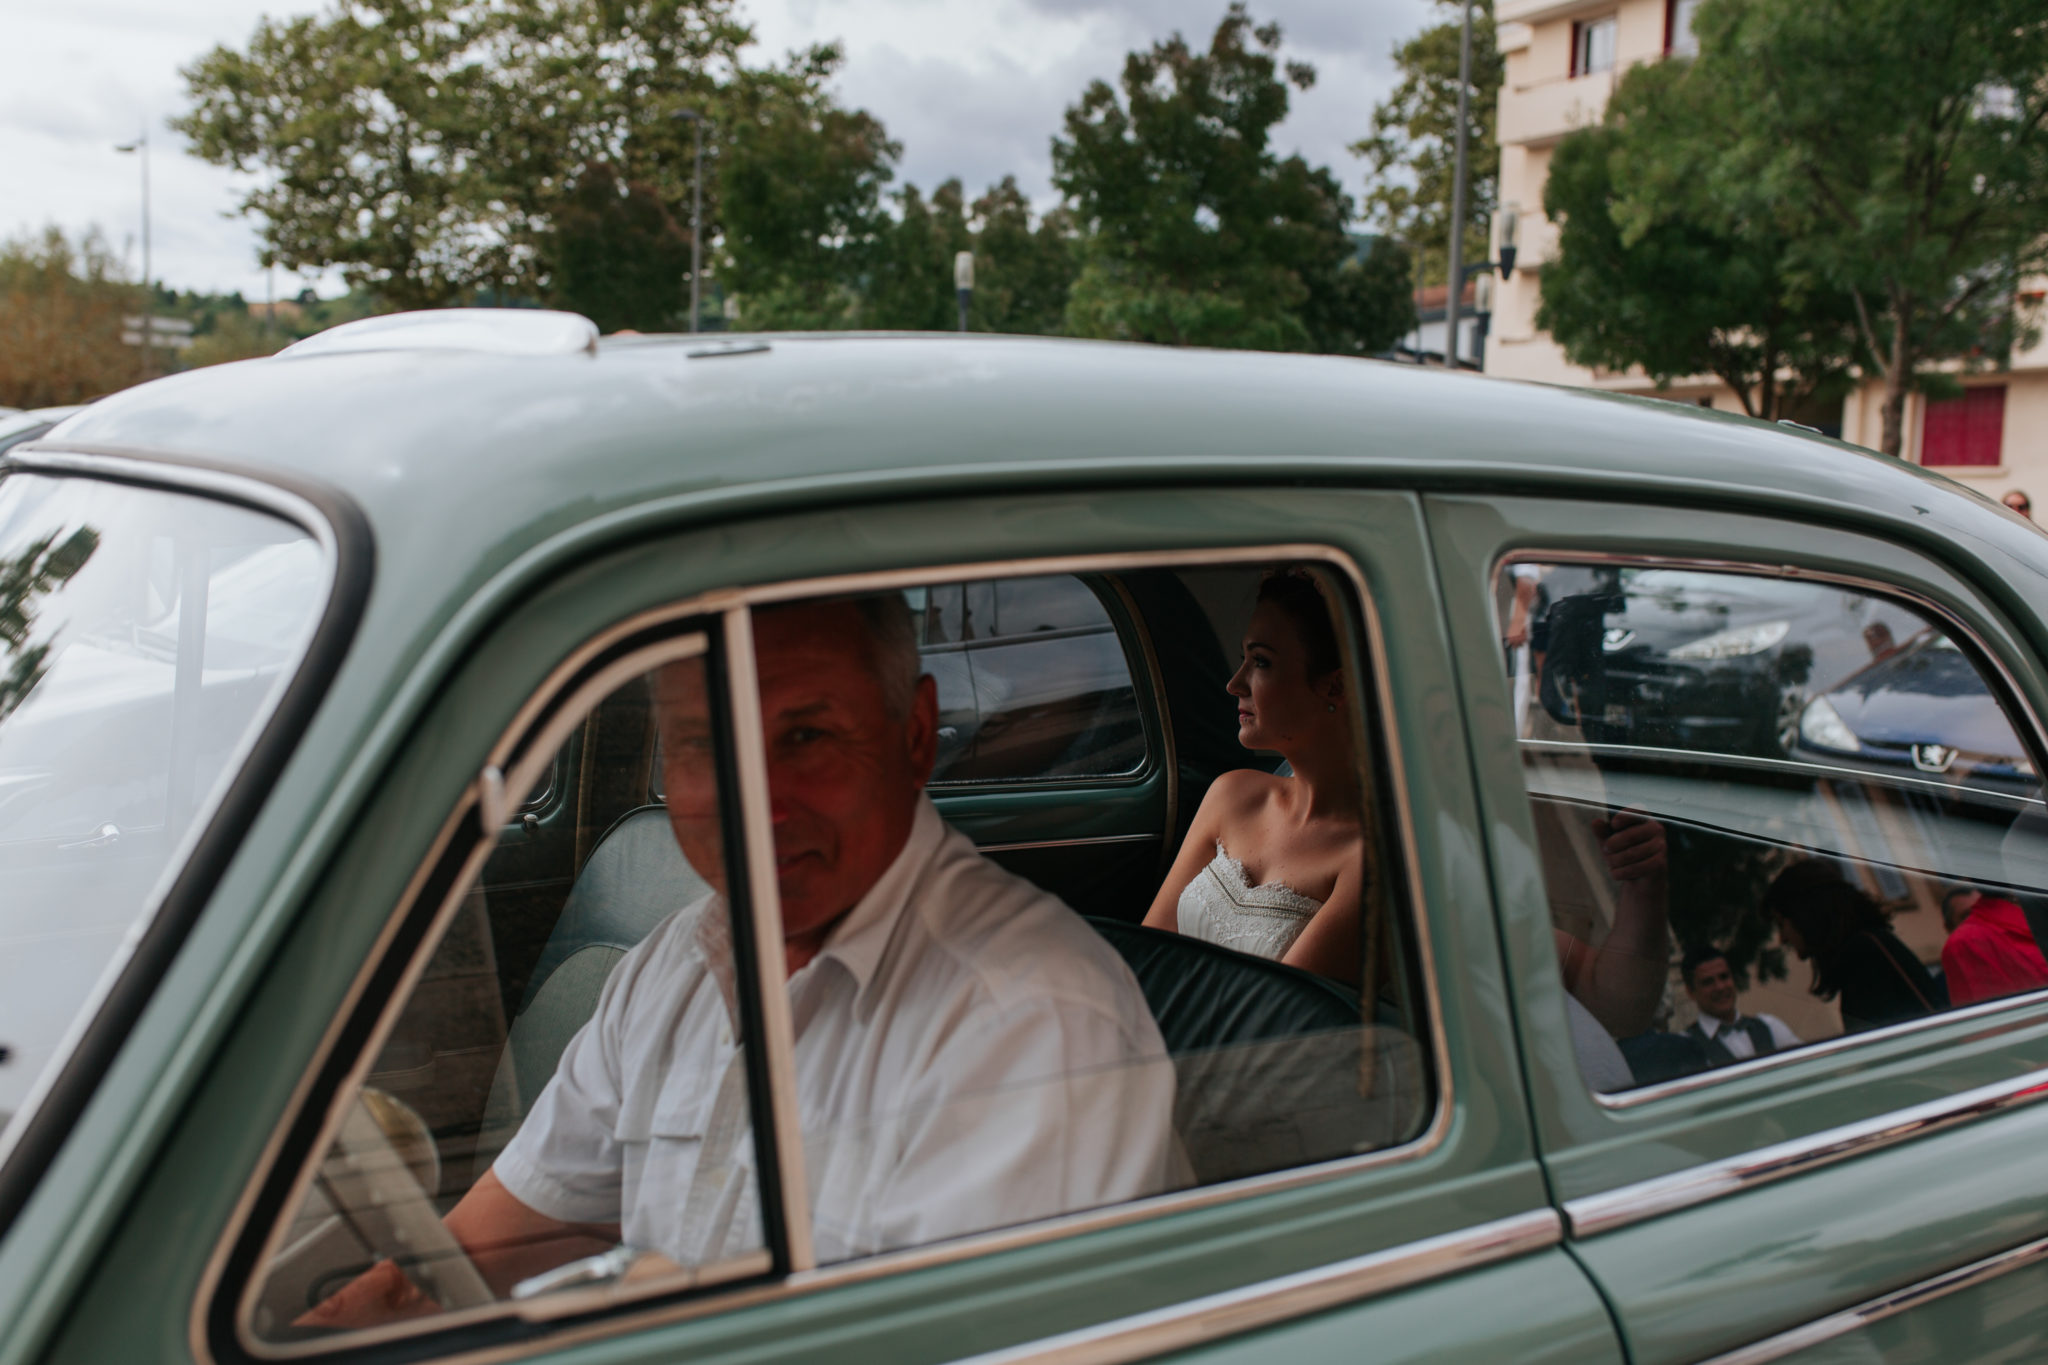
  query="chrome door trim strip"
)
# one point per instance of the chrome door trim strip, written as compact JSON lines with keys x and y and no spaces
{"x":1593,"y":1214}
{"x":771,"y":973}
{"x":725,"y":600}
{"x":1215,"y":1316}
{"x":1884,"y":1306}
{"x":1067,"y":843}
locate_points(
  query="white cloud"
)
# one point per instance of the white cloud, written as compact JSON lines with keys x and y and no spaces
{"x":971,"y":89}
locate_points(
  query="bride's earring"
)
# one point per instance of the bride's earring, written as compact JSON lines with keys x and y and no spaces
{"x":1331,"y":707}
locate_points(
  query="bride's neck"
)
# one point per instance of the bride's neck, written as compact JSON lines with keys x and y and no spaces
{"x":1327,"y":787}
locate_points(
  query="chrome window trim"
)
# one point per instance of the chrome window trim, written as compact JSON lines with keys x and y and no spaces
{"x":764,"y":901}
{"x":254,"y":495}
{"x":1590,"y":1215}
{"x":1884,"y":1306}
{"x":2027,"y":728}
{"x":1090,"y":841}
{"x":722,"y":602}
{"x":1201,"y":1321}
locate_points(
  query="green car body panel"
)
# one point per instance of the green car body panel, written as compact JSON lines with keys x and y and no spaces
{"x":518,"y":504}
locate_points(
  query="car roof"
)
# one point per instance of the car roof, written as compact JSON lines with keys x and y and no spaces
{"x":487,"y":454}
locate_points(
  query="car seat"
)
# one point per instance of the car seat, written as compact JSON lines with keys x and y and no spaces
{"x":1275,"y":1067}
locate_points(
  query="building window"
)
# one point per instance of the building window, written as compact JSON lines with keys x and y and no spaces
{"x":1593,"y":45}
{"x":1679,"y":39}
{"x":1969,"y":430}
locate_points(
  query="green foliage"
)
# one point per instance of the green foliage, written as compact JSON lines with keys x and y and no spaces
{"x":618,"y":256}
{"x":1905,"y":143}
{"x":42,"y":566}
{"x":1663,"y":264}
{"x":1196,"y":233}
{"x":1023,"y":269}
{"x":61,"y":306}
{"x":1411,"y":152}
{"x":800,"y":186}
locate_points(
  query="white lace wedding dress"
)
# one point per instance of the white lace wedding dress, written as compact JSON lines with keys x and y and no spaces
{"x":1221,"y":906}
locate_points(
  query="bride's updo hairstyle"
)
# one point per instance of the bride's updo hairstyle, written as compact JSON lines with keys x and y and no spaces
{"x":1295,"y":591}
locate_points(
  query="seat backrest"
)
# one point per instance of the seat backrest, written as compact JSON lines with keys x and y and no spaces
{"x":1204,"y":995}
{"x":633,"y":879}
{"x":1274,"y":1067}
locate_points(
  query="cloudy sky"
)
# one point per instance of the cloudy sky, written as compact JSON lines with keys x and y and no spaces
{"x":972,"y":88}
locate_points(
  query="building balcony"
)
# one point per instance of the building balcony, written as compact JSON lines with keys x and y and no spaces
{"x":1543,"y":11}
{"x":1542,"y":112}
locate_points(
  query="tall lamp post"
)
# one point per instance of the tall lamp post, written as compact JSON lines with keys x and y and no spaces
{"x":696,"y":122}
{"x":1456,"y":274}
{"x":148,"y":319}
{"x":1502,"y":266}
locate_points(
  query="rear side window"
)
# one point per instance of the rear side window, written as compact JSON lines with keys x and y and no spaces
{"x":1771,"y":811}
{"x":145,"y":636}
{"x":1033,"y":681}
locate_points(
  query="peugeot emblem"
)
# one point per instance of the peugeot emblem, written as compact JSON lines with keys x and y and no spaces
{"x":1933,"y":758}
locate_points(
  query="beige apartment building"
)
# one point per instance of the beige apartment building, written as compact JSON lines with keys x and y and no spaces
{"x":1562,"y":60}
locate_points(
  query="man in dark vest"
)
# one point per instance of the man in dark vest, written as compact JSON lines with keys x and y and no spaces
{"x":1729,"y":1036}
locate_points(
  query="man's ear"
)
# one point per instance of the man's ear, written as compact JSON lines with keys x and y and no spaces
{"x":921,"y":731}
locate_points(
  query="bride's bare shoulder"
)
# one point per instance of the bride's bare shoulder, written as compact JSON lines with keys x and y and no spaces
{"x":1242,"y":789}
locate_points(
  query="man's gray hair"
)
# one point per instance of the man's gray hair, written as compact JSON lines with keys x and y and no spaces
{"x":891,"y":639}
{"x":892,"y":646}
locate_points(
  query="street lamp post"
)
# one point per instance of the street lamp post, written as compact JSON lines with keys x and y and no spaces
{"x":1455,"y":274}
{"x":148,"y":319}
{"x":1502,"y":267}
{"x":963,"y":282}
{"x":696,"y":122}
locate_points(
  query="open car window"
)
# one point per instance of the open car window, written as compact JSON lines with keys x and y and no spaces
{"x":587,"y":1089}
{"x":1771,"y":811}
{"x":145,"y":638}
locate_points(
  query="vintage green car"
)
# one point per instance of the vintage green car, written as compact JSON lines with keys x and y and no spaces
{"x":397,"y":748}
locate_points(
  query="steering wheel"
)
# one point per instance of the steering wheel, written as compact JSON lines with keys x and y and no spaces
{"x":372,"y":1178}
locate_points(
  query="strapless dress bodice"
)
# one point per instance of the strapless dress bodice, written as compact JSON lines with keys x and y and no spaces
{"x":1221,"y":906}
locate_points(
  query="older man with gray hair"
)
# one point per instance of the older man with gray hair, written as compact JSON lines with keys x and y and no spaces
{"x":969,"y":1054}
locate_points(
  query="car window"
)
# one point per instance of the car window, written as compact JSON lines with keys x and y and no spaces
{"x":967,"y":1053}
{"x":503,"y":1101}
{"x":144,"y":638}
{"x":1033,"y":681}
{"x":1771,"y":811}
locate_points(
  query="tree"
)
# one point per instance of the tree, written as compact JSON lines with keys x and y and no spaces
{"x":1023,"y":270}
{"x":1662,"y":265}
{"x":1412,"y":150}
{"x":434,"y":150}
{"x":1196,"y":233}
{"x":800,"y":189}
{"x":1907,"y":141}
{"x":61,"y":306}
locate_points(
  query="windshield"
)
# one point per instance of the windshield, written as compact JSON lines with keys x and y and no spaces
{"x":144,"y":638}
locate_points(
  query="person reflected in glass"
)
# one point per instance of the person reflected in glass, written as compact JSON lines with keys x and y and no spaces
{"x":1728,"y":1034}
{"x":1847,"y":938}
{"x":1990,"y":950}
{"x":1276,"y":865}
{"x":2019,"y":502}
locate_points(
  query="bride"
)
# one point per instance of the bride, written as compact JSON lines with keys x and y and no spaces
{"x":1275,"y":866}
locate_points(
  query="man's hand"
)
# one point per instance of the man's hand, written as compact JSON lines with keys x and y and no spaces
{"x":380,"y":1294}
{"x":1633,"y":845}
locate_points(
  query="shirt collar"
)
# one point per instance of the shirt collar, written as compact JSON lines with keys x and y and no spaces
{"x":862,"y":935}
{"x":1714,"y":1027}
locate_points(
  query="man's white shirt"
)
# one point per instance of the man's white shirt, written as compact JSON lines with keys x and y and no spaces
{"x":969,"y":1055}
{"x":1737,"y":1042}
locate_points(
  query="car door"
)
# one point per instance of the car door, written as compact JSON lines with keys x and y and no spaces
{"x":1875,"y":1193}
{"x":1444,"y":1246}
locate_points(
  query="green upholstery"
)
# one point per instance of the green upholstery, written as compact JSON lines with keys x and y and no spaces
{"x":1274,"y":1067}
{"x":1206,"y":996}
